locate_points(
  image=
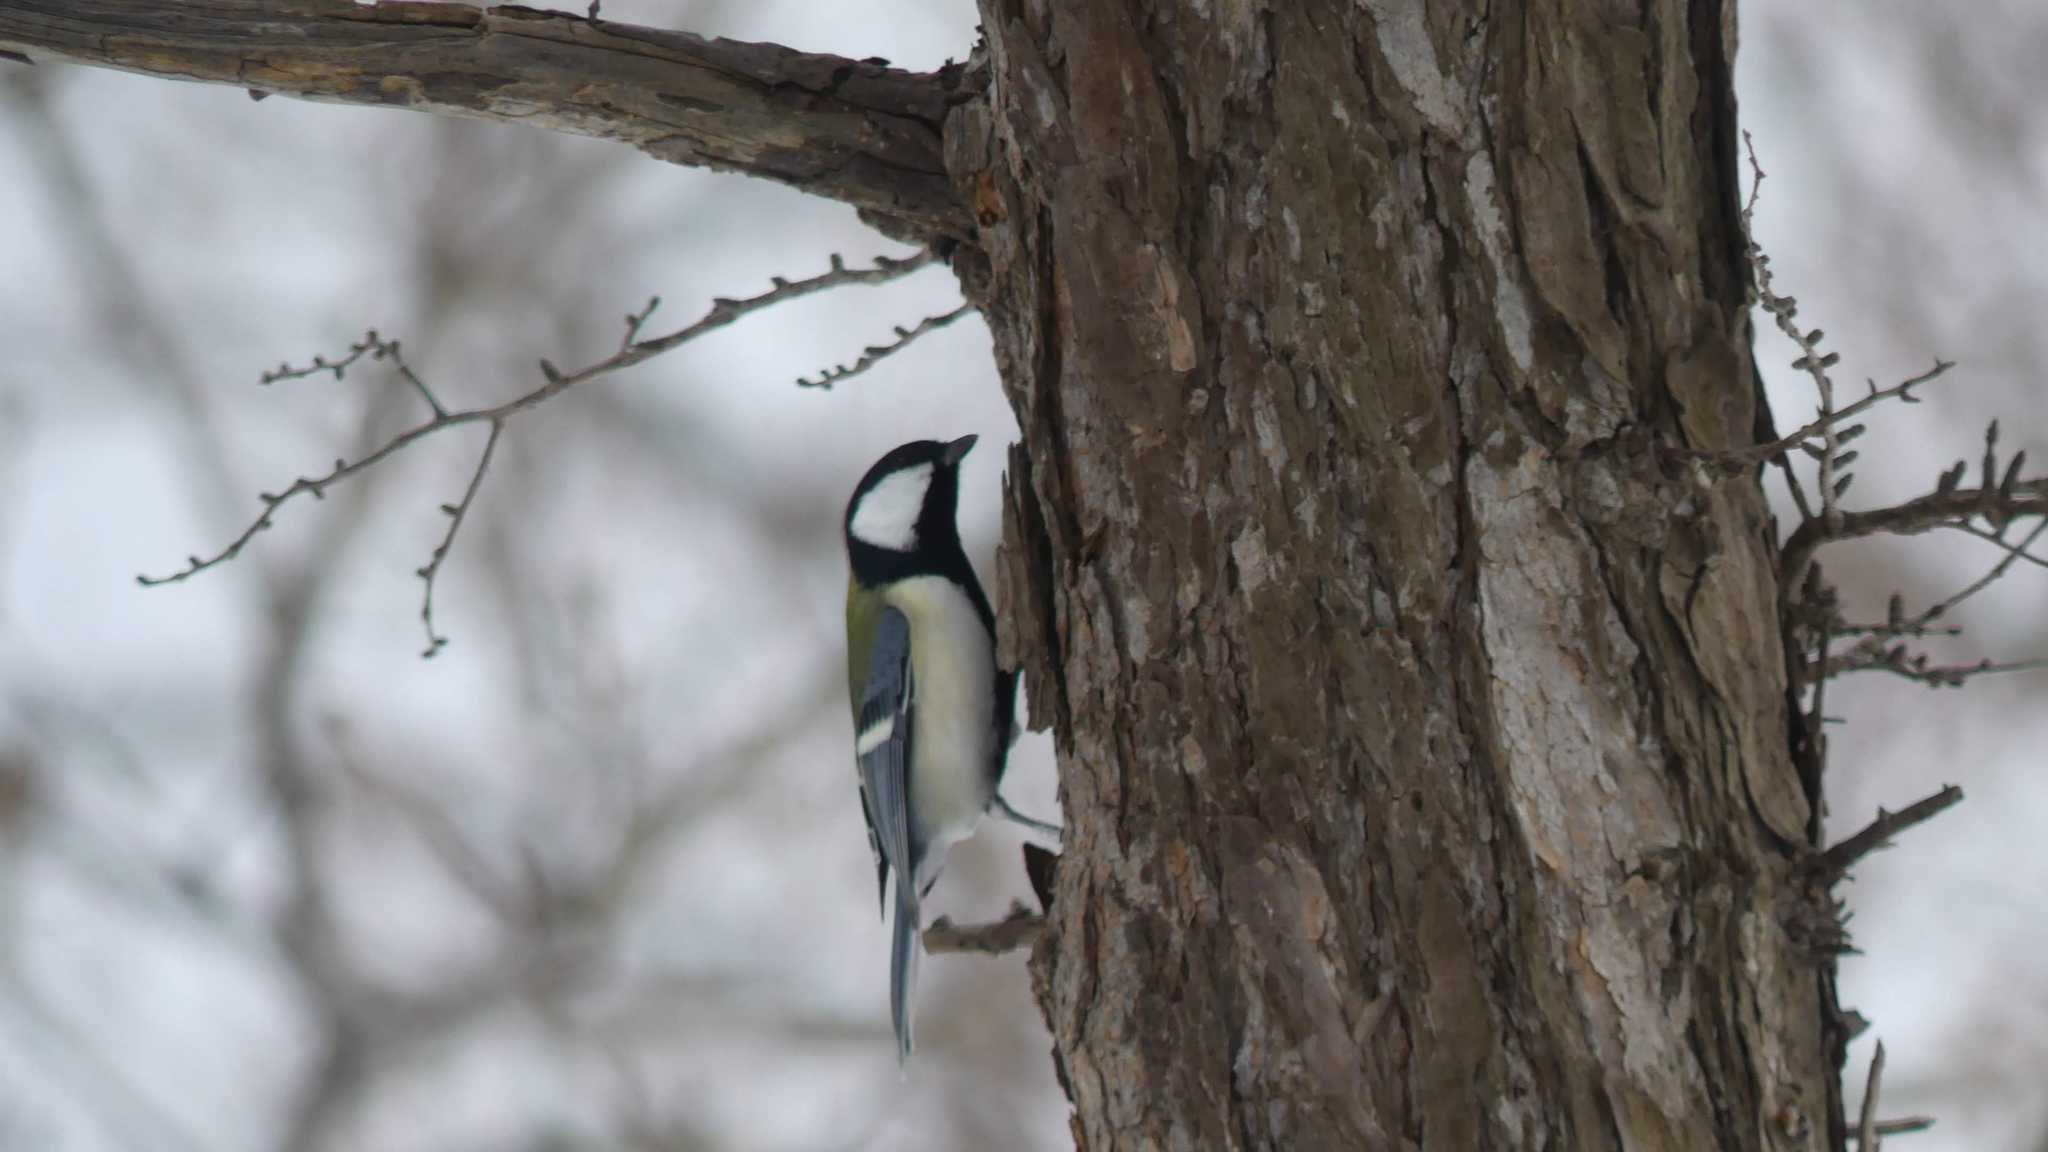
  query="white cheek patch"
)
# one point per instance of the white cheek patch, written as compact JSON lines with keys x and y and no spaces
{"x":887,"y":515}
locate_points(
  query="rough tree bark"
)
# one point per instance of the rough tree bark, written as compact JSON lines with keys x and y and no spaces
{"x":1422,"y":722}
{"x":1421,"y":706}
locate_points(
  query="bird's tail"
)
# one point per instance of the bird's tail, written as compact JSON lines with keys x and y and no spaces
{"x":903,"y":962}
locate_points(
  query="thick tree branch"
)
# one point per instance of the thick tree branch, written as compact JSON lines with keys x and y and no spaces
{"x":849,"y":130}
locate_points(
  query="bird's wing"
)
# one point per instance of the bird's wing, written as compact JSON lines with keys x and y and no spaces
{"x":882,"y":745}
{"x":882,"y":741}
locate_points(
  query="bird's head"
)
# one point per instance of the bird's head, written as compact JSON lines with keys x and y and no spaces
{"x":905,"y":503}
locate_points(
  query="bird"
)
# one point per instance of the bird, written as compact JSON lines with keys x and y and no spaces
{"x":933,"y":713}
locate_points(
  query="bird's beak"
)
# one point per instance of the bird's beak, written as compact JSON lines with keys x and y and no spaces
{"x":958,"y":449}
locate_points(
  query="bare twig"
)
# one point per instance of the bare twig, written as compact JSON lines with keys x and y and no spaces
{"x":1935,"y":510}
{"x":1917,"y":666}
{"x":1903,"y":1126}
{"x":1879,"y":832}
{"x":455,"y":514}
{"x":1866,"y":1127}
{"x":876,"y":353}
{"x":1783,"y":311}
{"x":1891,"y":631}
{"x":1876,"y":652}
{"x":2013,"y":551}
{"x":1759,"y":453}
{"x":370,"y":345}
{"x":1997,"y":571}
{"x":1793,"y":486}
{"x":632,"y":350}
{"x":1756,"y":185}
{"x":1019,"y":929}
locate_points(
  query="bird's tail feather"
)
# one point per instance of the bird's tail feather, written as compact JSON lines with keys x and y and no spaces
{"x":903,"y":963}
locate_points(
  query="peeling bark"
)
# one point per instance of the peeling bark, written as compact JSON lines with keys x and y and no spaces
{"x":1421,"y":721}
{"x":849,"y":130}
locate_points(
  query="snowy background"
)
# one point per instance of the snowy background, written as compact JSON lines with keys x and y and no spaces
{"x":595,"y":877}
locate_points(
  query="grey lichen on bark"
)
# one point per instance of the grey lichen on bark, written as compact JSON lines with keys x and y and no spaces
{"x":1421,"y":718}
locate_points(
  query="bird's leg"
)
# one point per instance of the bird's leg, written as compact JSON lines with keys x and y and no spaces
{"x":1002,"y":808}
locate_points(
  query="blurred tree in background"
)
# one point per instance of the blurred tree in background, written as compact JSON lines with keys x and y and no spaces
{"x":593,"y":878}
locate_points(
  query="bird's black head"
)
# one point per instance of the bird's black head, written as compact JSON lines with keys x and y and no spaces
{"x":900,"y":520}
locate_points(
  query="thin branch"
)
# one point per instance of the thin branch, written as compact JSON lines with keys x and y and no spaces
{"x":1784,"y":310}
{"x":631,"y":351}
{"x":876,"y":353}
{"x":1919,"y":668}
{"x":1752,"y":251}
{"x":1873,"y":653}
{"x":1935,"y":510}
{"x":455,"y":513}
{"x":2013,"y":551}
{"x":1903,"y":1126}
{"x":1759,"y":453}
{"x":1876,"y":652}
{"x":1989,"y":578}
{"x":855,"y":131}
{"x":370,"y":345}
{"x":1866,"y":1128}
{"x":1019,"y":929}
{"x":1890,"y":631}
{"x":1878,"y":834}
{"x":1797,"y":489}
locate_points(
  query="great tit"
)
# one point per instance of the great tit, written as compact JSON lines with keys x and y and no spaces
{"x":932,"y":713}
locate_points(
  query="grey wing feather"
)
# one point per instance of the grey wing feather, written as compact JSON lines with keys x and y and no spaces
{"x":883,"y":745}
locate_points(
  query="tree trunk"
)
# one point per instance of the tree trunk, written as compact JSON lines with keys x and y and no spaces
{"x":1420,"y":703}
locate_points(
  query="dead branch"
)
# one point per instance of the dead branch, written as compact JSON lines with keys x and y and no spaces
{"x":854,"y":131}
{"x":1019,"y":929}
{"x":1878,"y":834}
{"x":632,"y":350}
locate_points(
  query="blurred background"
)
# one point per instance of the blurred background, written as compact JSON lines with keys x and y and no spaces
{"x":594,"y":877}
